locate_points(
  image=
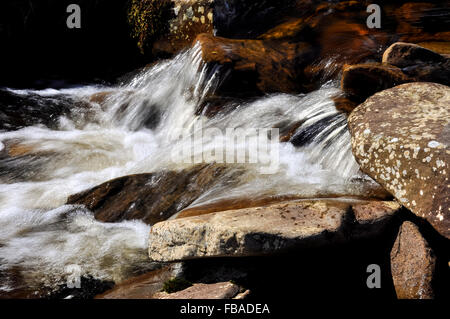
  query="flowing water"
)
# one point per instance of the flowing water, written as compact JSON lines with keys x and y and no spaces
{"x":134,"y":128}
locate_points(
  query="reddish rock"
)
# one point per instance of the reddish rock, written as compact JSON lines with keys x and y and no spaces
{"x":412,"y":264}
{"x":257,"y":66}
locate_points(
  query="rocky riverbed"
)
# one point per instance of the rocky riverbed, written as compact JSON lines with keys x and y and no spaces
{"x":116,"y":173}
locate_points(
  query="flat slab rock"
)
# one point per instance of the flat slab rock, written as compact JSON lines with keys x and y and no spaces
{"x":400,"y":138}
{"x":254,"y":231}
{"x":221,"y":290}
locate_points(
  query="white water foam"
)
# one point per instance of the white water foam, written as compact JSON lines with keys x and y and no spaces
{"x":134,"y":130}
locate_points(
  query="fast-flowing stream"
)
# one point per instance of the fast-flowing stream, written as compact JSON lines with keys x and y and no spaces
{"x":137,"y":127}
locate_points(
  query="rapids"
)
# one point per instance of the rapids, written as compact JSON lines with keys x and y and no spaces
{"x":135,"y":129}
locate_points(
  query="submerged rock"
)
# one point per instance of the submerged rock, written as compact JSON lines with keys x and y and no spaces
{"x":18,"y":111}
{"x":412,"y":264}
{"x":400,"y":138}
{"x":150,"y":197}
{"x":256,"y":231}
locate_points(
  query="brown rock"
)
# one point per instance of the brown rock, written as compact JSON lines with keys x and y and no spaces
{"x":441,"y":47}
{"x":220,"y":290}
{"x":148,"y":197}
{"x":422,"y":21}
{"x":373,"y":212}
{"x":412,"y":264}
{"x":144,"y":286}
{"x":400,"y":138}
{"x":363,"y":80}
{"x":402,"y":54}
{"x":257,"y":66}
{"x":373,"y":217}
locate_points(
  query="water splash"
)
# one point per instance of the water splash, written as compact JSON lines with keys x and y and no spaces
{"x":131,"y":129}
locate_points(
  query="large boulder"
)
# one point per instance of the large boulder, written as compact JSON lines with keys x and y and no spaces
{"x":151,"y":197}
{"x":400,"y":138}
{"x":413,"y":264}
{"x":256,"y":231}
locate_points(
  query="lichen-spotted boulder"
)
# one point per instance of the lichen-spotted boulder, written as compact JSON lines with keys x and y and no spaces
{"x":400,"y":138}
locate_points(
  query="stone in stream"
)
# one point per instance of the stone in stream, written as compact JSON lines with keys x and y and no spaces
{"x":412,"y":264}
{"x":220,"y":290}
{"x":400,"y":138}
{"x":152,"y":197}
{"x":402,"y":55}
{"x":363,"y":80}
{"x":144,"y":286}
{"x":18,"y":111}
{"x":256,"y":66}
{"x":402,"y":63}
{"x":254,"y":231}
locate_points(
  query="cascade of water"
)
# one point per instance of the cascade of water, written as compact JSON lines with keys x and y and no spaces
{"x":134,"y":130}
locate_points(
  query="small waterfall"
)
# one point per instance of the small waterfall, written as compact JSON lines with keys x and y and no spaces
{"x":133,"y":129}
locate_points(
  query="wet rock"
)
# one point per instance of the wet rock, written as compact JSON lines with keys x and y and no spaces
{"x":363,"y":80}
{"x":220,"y":290}
{"x":422,"y":21}
{"x":400,"y":138}
{"x":402,"y":55}
{"x":144,"y":286}
{"x":344,"y":104}
{"x":254,"y":67}
{"x":248,"y":19}
{"x":89,"y":287}
{"x":418,"y":63}
{"x":441,"y":47}
{"x":150,"y":197}
{"x":412,"y":264}
{"x":18,"y":111}
{"x":191,"y":18}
